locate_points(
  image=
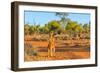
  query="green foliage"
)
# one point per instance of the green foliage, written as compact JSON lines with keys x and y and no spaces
{"x":78,"y":28}
{"x":74,"y":29}
{"x":86,"y":28}
{"x":63,"y":17}
{"x":64,"y":26}
{"x":34,"y":29}
{"x":44,"y":29}
{"x":26,"y":28}
{"x":61,"y":14}
{"x":71,"y":26}
{"x":53,"y":25}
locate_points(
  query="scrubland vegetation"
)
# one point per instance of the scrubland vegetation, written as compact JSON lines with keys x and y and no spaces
{"x":72,"y":39}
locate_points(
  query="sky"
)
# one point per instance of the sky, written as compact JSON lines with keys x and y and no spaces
{"x":36,"y":17}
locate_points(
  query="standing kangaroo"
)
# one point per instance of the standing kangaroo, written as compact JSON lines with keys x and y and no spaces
{"x":51,"y":45}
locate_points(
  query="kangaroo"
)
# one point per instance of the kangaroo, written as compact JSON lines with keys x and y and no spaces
{"x":51,"y":45}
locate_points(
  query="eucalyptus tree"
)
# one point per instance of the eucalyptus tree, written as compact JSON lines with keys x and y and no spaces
{"x":64,"y":19}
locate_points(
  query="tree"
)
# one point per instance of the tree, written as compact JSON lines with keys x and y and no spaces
{"x":78,"y":31}
{"x":86,"y":30}
{"x":62,"y":14}
{"x":34,"y":29}
{"x":53,"y":26}
{"x":37,"y":27}
{"x":44,"y":29}
{"x":74,"y":29}
{"x":63,"y":17}
{"x":26,"y":29}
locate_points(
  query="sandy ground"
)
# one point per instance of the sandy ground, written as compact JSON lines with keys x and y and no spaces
{"x":65,"y":50}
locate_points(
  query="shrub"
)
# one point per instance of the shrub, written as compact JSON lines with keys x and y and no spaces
{"x":31,"y":50}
